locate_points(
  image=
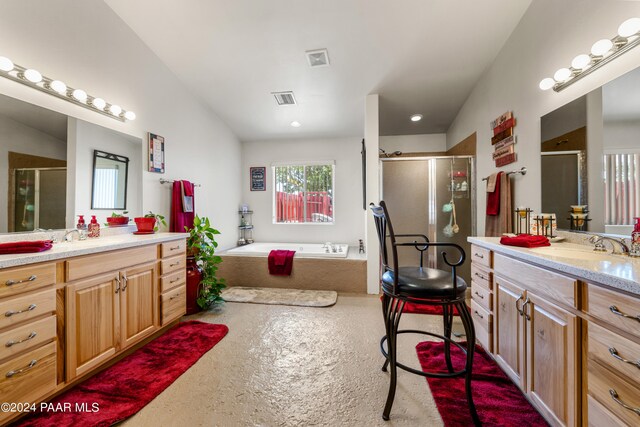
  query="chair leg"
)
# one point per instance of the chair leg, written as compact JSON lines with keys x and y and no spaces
{"x":393,"y":321}
{"x":447,"y":318}
{"x":385,"y":307}
{"x":469,"y":329}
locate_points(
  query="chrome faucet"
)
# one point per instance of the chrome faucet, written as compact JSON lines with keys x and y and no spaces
{"x":68,"y":236}
{"x":598,"y":241}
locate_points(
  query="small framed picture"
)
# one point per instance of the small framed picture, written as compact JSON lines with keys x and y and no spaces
{"x":156,"y":153}
{"x":258,"y":178}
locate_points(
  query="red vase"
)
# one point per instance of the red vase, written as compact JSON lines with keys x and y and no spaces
{"x":145,"y":225}
{"x":194,"y":277}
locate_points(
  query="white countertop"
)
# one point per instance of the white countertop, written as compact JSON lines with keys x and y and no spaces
{"x":615,"y":271}
{"x":89,"y":246}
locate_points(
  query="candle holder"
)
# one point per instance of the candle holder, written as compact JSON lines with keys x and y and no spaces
{"x":523,"y":220}
{"x":545,"y":225}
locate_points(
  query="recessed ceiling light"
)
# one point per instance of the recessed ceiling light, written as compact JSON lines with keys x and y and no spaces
{"x":416,"y":117}
{"x":295,"y":124}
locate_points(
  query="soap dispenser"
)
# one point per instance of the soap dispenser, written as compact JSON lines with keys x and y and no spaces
{"x":635,"y":239}
{"x":94,"y":227}
{"x":82,"y":228}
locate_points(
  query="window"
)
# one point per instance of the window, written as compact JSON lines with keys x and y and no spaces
{"x":303,"y":193}
{"x":621,"y":184}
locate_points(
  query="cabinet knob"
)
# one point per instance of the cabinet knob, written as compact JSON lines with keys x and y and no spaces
{"x":616,"y":398}
{"x":15,"y":282}
{"x":617,"y":312}
{"x":31,"y":364}
{"x":615,"y":354}
{"x":11,"y":343}
{"x":12,"y":312}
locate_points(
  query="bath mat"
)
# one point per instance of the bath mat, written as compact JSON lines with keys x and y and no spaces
{"x":277,"y":296}
{"x":126,"y":387}
{"x":424,"y":309}
{"x":498,"y":401}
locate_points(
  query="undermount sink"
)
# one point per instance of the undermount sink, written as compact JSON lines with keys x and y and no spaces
{"x":586,"y":254}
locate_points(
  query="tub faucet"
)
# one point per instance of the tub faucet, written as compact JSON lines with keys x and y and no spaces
{"x":598,"y":241}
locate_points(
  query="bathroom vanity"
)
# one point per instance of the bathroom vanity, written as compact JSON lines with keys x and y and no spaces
{"x":78,"y":307}
{"x":563,"y":323}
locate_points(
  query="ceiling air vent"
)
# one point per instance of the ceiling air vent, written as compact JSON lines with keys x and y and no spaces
{"x":318,"y":57}
{"x":284,"y":98}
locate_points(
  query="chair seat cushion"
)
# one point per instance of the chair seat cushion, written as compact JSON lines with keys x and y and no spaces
{"x":425,"y":283}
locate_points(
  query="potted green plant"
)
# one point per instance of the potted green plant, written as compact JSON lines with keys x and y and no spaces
{"x":117,"y":219}
{"x":149,"y":222}
{"x":203,"y":285}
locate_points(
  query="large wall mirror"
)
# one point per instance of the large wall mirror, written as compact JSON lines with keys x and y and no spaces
{"x":47,"y":164}
{"x":591,"y":157}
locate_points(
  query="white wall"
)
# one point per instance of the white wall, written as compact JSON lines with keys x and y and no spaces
{"x":548,"y":37}
{"x":622,"y":135}
{"x":19,"y":138}
{"x":85,"y":44}
{"x":349,"y":223}
{"x":88,"y":137}
{"x":414,"y":143}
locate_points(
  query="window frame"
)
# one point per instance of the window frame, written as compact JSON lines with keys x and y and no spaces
{"x":304,"y":164}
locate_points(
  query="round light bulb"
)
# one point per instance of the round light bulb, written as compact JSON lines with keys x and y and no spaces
{"x":562,"y":74}
{"x":296,"y":124}
{"x":601,"y":47}
{"x":416,"y":117}
{"x":629,"y":27}
{"x":5,"y":64}
{"x":79,"y":95}
{"x":130,"y":115}
{"x":546,"y":84}
{"x":581,"y":61}
{"x":32,"y":75}
{"x":58,"y":86}
{"x":99,"y":103}
{"x":115,"y":110}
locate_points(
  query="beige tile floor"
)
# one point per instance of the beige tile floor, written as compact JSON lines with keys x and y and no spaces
{"x":297,"y":366}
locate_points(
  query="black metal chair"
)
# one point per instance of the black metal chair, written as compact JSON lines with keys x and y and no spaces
{"x":421,"y":286}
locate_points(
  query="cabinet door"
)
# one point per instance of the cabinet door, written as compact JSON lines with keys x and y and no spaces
{"x":92,"y":308}
{"x":552,"y":364}
{"x":138,"y":303}
{"x":509,"y":329}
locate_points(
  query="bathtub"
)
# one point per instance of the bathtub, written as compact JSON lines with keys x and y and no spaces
{"x":313,"y":267}
{"x":303,"y":250}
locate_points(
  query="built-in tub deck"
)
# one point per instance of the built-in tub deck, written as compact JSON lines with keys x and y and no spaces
{"x":313,"y":268}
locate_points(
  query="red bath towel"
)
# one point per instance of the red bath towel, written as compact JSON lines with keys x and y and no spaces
{"x":25,"y":247}
{"x":281,"y":262}
{"x":493,"y":197}
{"x":180,"y":217}
{"x":525,"y":241}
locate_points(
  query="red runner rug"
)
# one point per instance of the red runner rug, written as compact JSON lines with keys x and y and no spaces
{"x":424,"y":309}
{"x":498,"y":401}
{"x":126,"y":387}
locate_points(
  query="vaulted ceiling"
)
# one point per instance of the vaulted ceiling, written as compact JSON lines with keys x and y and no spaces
{"x":421,"y":56}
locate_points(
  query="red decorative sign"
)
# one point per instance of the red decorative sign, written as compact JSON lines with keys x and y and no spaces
{"x":506,"y":160}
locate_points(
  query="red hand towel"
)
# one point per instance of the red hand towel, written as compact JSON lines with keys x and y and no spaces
{"x":25,"y":247}
{"x":280,"y":262}
{"x":525,"y":241}
{"x":493,"y":199}
{"x":179,"y":218}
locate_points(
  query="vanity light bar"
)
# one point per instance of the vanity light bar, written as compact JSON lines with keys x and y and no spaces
{"x":602,"y":52}
{"x":33,"y":78}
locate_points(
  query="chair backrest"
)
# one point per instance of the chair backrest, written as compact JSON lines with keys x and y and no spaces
{"x":384,"y":229}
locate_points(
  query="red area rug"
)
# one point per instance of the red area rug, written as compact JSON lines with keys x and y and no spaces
{"x":498,"y":401}
{"x":126,"y":387}
{"x":424,"y":309}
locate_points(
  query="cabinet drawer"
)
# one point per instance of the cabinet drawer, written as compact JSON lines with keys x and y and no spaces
{"x":482,"y":320}
{"x":560,"y":288}
{"x":172,"y":280}
{"x":174,"y":304}
{"x":92,"y":265}
{"x":29,"y":377}
{"x":482,"y":296}
{"x":27,"y":336}
{"x":169,"y":249}
{"x":19,"y":309}
{"x":481,"y":276}
{"x":175,"y":263}
{"x":606,"y":388}
{"x":599,"y":416}
{"x":481,"y":255}
{"x":14,"y":281}
{"x":611,"y":306}
{"x":607,"y":348}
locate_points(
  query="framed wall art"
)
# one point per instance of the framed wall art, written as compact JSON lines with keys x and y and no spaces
{"x":257,"y":177}
{"x":156,"y":152}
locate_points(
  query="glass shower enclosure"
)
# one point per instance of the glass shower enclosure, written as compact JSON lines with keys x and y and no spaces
{"x":37,"y":199}
{"x":433,"y":196}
